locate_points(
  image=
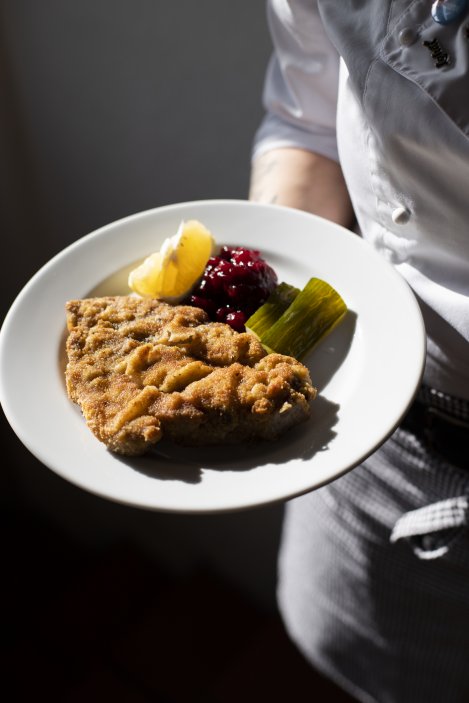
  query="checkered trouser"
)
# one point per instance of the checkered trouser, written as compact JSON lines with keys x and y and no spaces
{"x":374,"y":574}
{"x":431,"y":528}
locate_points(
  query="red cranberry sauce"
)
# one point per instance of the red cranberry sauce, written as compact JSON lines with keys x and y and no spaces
{"x":233,"y":286}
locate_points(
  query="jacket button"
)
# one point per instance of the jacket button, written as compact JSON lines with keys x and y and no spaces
{"x":400,"y":215}
{"x":407,"y":36}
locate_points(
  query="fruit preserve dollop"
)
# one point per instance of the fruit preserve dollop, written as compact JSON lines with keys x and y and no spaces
{"x":233,"y":286}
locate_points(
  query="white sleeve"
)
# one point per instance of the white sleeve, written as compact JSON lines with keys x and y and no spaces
{"x":300,"y":91}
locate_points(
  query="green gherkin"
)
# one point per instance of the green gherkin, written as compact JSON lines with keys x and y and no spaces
{"x":267,"y":315}
{"x":313,"y":313}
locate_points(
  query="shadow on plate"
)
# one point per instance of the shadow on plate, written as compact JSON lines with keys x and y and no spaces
{"x":329,"y":355}
{"x":170,"y":462}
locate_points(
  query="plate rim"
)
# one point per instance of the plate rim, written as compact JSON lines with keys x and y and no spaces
{"x":101,"y":232}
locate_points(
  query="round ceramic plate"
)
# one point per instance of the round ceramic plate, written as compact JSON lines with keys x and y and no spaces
{"x":367,"y":370}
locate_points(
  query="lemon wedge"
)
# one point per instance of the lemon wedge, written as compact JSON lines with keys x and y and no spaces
{"x":170,"y":273}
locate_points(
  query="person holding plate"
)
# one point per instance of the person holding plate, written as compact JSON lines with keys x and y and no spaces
{"x":367,"y":124}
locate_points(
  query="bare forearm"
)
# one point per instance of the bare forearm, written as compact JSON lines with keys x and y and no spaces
{"x":300,"y":179}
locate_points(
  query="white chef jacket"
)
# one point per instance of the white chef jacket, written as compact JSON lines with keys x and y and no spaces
{"x":354,"y":81}
{"x":374,"y":567}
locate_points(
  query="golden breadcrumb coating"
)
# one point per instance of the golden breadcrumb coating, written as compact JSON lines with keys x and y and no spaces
{"x":140,"y":369}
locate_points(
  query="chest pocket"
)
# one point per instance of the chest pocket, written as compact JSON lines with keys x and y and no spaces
{"x":434,"y":56}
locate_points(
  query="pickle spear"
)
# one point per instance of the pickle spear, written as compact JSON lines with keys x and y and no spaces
{"x":313,"y":313}
{"x":267,"y":315}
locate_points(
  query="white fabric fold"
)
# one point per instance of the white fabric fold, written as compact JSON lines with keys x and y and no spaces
{"x":430,"y":530}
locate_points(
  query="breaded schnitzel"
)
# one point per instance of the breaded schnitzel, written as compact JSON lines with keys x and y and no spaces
{"x":140,"y":369}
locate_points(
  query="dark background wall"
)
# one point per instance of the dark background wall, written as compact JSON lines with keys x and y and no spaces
{"x":108,"y":108}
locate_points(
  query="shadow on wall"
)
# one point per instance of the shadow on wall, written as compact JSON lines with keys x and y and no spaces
{"x":119,"y":106}
{"x":106,"y":109}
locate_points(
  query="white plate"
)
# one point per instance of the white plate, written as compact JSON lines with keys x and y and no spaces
{"x":367,"y":370}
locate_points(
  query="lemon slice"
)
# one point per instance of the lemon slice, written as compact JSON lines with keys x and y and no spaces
{"x":170,"y":273}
